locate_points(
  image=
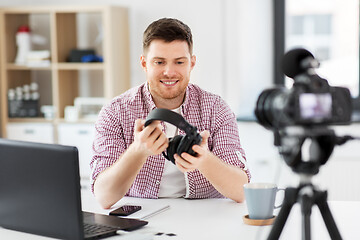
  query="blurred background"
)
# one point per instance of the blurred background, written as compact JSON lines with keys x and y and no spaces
{"x":238,"y":44}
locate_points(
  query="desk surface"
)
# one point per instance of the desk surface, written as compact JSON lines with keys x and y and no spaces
{"x":217,"y":219}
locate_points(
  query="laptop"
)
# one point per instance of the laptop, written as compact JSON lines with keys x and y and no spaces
{"x":40,"y":194}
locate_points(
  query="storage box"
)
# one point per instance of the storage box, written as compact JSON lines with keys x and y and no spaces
{"x":23,"y":108}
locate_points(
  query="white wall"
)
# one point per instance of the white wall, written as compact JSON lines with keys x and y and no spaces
{"x":232,"y":41}
{"x":249,"y":52}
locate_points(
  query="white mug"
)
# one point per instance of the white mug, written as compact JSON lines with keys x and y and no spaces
{"x":260,"y":199}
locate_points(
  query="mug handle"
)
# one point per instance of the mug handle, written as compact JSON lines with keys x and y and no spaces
{"x":280,"y":189}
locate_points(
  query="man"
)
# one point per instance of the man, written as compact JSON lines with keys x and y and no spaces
{"x":127,"y":156}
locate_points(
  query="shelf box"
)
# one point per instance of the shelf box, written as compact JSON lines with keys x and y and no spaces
{"x":81,"y":136}
{"x":34,"y":132}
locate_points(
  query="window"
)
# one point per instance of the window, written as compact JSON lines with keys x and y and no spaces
{"x":329,"y":29}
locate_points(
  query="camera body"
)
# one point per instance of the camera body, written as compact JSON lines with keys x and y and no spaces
{"x":311,"y":101}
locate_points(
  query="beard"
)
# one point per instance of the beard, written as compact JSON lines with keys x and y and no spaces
{"x":159,"y":90}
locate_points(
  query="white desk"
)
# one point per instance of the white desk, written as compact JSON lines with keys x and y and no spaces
{"x":217,"y":219}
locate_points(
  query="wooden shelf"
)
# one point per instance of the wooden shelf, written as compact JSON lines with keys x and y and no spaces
{"x":13,"y":66}
{"x":30,"y":120}
{"x":61,"y":82}
{"x":79,"y":66}
{"x":60,"y":66}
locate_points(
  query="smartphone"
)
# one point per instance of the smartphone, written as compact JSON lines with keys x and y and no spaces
{"x":125,"y":210}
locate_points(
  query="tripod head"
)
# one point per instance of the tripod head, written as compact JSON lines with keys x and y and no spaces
{"x":290,"y":141}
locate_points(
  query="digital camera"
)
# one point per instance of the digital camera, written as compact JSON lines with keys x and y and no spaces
{"x":310,"y":101}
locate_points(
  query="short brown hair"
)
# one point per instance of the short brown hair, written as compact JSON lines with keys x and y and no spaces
{"x":167,"y":29}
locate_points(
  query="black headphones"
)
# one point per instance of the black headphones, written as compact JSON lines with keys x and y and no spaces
{"x":179,"y":143}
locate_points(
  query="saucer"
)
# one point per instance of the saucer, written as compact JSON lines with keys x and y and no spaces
{"x":258,"y":222}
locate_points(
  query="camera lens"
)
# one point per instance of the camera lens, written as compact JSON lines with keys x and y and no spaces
{"x":270,"y":107}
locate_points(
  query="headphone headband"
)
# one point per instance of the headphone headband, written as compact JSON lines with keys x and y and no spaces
{"x":179,"y":143}
{"x":169,"y":116}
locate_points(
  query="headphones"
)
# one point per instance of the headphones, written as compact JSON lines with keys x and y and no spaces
{"x":179,"y":143}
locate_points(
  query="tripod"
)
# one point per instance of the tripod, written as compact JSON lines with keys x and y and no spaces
{"x":307,"y":196}
{"x":323,"y":142}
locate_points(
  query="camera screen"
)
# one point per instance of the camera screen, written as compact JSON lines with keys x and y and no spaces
{"x":315,"y":106}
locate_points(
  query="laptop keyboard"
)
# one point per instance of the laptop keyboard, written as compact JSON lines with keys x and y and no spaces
{"x":97,"y":229}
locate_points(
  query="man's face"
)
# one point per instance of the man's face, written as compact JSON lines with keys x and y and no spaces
{"x":167,"y":66}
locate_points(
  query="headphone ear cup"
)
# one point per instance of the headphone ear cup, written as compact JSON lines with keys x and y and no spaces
{"x":184,"y":145}
{"x":187,"y":142}
{"x":172,"y":148}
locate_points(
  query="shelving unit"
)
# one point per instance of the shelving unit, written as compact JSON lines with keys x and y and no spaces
{"x":61,"y":82}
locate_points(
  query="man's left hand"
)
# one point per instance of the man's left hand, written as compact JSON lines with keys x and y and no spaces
{"x":187,"y":162}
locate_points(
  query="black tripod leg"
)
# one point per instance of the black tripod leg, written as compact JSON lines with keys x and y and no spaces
{"x":289,"y":201}
{"x":306,"y":205}
{"x":321,"y":201}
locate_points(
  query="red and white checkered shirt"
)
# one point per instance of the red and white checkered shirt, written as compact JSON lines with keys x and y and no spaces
{"x":206,"y":111}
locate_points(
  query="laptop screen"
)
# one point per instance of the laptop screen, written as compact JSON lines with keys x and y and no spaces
{"x":40,"y":189}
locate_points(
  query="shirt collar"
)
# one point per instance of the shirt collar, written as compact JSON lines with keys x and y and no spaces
{"x":187,"y":100}
{"x":148,"y":98}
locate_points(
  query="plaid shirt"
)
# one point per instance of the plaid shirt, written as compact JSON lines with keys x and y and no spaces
{"x":206,"y":111}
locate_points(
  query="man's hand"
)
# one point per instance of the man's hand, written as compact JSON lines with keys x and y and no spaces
{"x":187,"y":162}
{"x":226,"y":178}
{"x":149,"y":140}
{"x":115,"y":181}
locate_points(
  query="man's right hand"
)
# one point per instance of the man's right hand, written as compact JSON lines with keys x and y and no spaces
{"x":114,"y":182}
{"x":150,"y":140}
